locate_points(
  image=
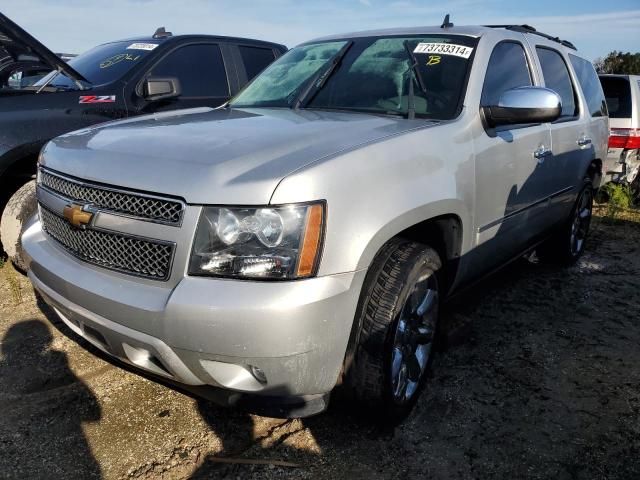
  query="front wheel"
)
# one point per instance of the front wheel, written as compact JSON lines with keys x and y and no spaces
{"x":21,"y":206}
{"x":395,"y":329}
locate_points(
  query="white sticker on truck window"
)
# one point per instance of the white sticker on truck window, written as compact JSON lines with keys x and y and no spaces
{"x":142,"y":46}
{"x":444,"y":49}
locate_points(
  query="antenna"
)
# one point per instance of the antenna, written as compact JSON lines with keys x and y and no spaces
{"x":161,"y":33}
{"x":446,"y":23}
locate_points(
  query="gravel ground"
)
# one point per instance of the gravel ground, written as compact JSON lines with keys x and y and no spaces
{"x":544,"y":382}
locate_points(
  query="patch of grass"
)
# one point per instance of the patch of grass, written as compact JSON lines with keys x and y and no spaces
{"x":619,"y":197}
{"x":14,"y":283}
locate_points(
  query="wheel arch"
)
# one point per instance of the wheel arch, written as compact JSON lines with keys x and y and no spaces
{"x":17,"y":167}
{"x":440,"y":225}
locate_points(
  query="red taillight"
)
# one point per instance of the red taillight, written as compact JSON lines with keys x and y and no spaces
{"x":625,"y":138}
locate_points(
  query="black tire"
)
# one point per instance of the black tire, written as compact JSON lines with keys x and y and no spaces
{"x":20,"y":208}
{"x":395,"y":280}
{"x":567,"y":245}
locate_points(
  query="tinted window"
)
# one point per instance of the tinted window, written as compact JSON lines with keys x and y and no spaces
{"x":199,"y":68}
{"x":556,"y":77}
{"x":103,"y":64}
{"x":255,"y":59}
{"x":508,"y":68}
{"x":617,"y":91}
{"x":590,"y":84}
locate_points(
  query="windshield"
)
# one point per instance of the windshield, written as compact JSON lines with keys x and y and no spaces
{"x":375,"y":75}
{"x":102,"y":64}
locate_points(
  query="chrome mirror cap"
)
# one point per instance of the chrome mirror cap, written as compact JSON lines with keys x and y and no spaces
{"x":524,"y":105}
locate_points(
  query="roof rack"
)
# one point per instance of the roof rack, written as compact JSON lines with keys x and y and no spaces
{"x":530,"y":29}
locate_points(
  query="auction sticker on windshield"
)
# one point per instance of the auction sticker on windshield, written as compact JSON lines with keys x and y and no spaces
{"x":444,"y":49}
{"x":142,"y":46}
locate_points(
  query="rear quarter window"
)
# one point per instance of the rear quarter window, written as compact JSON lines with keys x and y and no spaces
{"x":590,"y":85}
{"x":617,"y":91}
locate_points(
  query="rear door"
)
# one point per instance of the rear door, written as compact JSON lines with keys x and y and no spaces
{"x":572,"y":145}
{"x":201,"y":69}
{"x":510,"y":182}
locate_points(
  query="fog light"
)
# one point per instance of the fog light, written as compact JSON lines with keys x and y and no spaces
{"x":258,"y":374}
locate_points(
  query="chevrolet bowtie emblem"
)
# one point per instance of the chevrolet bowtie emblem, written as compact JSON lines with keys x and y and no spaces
{"x":77,"y":216}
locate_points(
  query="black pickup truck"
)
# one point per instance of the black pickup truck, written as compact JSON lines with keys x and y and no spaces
{"x":116,"y":80}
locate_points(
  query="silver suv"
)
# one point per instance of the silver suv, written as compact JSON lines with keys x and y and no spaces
{"x":304,"y":235}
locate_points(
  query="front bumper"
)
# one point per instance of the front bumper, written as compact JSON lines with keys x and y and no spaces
{"x":205,"y":331}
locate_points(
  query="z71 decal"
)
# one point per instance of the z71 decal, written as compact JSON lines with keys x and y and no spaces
{"x":97,"y":98}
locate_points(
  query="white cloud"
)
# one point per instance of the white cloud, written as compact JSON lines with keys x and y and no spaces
{"x":366,"y":3}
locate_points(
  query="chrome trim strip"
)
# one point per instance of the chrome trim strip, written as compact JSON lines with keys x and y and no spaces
{"x":133,"y":193}
{"x":53,"y":201}
{"x":523,"y":209}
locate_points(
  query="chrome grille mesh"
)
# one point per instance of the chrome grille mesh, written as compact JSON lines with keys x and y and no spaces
{"x":126,"y":254}
{"x":157,"y":209}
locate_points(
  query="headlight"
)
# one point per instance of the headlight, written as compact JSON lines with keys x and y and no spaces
{"x":272,"y":242}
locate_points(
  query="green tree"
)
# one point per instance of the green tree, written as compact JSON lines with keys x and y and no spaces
{"x":619,"y":62}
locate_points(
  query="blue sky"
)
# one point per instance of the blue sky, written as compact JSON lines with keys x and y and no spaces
{"x":596,"y":27}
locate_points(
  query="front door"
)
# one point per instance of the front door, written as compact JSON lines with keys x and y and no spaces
{"x":511,"y":187}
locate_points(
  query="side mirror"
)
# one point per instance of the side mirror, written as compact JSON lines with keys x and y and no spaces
{"x":156,"y":88}
{"x":524,"y":105}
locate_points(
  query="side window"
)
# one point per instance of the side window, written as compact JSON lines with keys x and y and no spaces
{"x":590,"y":84}
{"x":556,"y":77}
{"x":255,"y":59}
{"x":508,"y":68}
{"x":199,"y":68}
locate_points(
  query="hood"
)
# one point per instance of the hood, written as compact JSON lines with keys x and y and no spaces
{"x":218,"y":156}
{"x":17,"y":46}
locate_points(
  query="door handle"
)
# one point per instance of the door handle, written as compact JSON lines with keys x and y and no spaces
{"x":541,"y":153}
{"x":583,"y":141}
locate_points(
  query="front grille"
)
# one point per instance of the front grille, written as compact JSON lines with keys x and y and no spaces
{"x":113,"y":200}
{"x":134,"y":256}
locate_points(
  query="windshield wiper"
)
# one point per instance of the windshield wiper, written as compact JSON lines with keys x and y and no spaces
{"x":320,"y":78}
{"x":411,"y":103}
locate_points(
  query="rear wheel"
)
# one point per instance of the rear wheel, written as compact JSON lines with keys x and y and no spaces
{"x":568,"y":244}
{"x":21,"y":206}
{"x":396,"y":327}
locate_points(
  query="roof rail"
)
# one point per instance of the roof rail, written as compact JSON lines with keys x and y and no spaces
{"x":530,"y":29}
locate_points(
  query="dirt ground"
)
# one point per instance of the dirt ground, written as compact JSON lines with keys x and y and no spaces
{"x":544,"y":382}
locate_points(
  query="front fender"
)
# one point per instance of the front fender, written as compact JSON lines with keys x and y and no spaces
{"x":377,"y":191}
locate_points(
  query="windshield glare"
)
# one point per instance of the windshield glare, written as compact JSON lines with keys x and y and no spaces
{"x":374,"y":76}
{"x":102,"y":64}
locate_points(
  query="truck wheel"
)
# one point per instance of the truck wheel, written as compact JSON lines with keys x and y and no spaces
{"x":21,"y":206}
{"x":394,"y":330}
{"x":566,"y":246}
